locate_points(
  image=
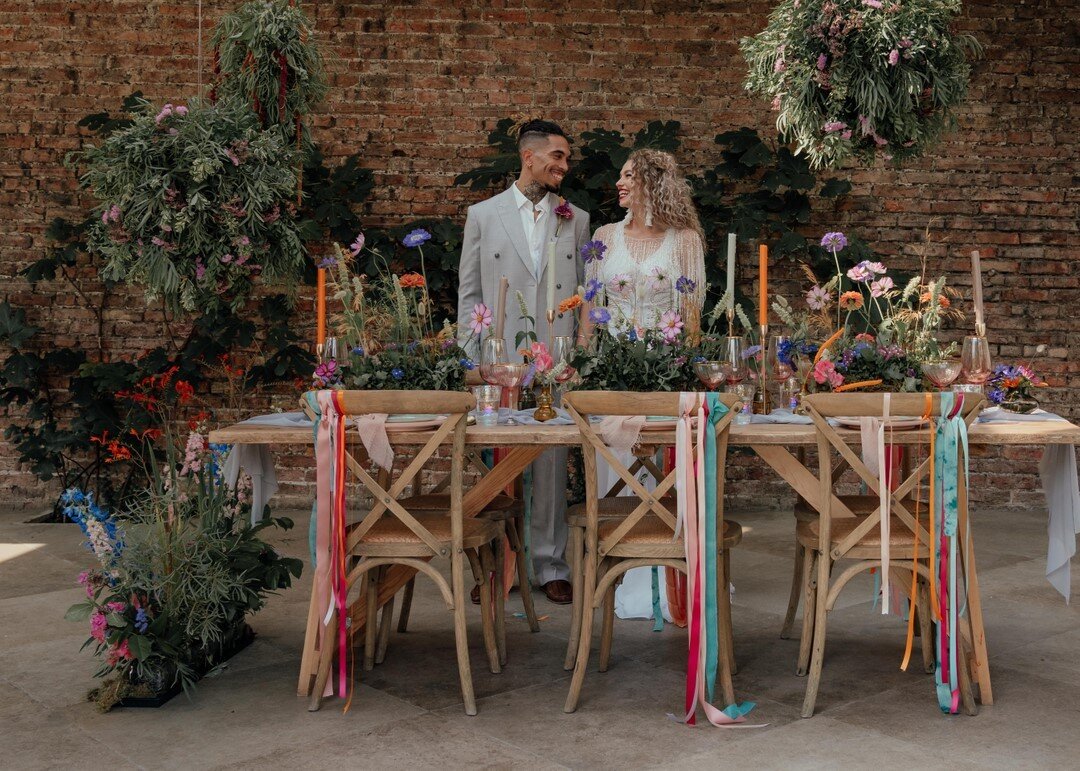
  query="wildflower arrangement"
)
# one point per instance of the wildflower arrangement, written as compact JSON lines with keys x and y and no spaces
{"x":386,"y":321}
{"x":1013,"y":383}
{"x":178,"y":571}
{"x":196,"y":202}
{"x":622,"y":357}
{"x":861,"y":77}
{"x":860,"y":329}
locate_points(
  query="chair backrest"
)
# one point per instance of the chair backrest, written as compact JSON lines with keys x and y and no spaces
{"x":584,"y":404}
{"x":821,"y":407}
{"x":385,"y":496}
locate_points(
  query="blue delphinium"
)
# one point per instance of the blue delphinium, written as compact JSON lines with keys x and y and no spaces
{"x":397,"y":373}
{"x":142,"y":621}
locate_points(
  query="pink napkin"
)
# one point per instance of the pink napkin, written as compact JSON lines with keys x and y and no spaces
{"x":620,"y":432}
{"x":372,"y":430}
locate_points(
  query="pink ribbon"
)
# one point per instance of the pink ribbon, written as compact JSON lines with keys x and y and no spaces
{"x":372,"y":430}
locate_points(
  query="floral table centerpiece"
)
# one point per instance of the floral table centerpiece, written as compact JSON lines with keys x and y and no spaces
{"x":1011,"y":387}
{"x":387,"y":327}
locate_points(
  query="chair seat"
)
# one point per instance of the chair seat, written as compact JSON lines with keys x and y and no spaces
{"x":615,"y":507}
{"x":391,"y":530}
{"x":860,"y":505}
{"x":500,"y":507}
{"x":653,"y":530}
{"x":900,"y":537}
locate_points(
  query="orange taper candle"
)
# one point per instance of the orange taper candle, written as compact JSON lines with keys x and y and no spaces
{"x":763,"y":289}
{"x":320,"y":308}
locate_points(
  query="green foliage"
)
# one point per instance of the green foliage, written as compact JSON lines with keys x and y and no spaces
{"x":194,"y":204}
{"x":266,"y":57}
{"x":849,"y":78}
{"x":409,"y":368}
{"x":629,"y":362}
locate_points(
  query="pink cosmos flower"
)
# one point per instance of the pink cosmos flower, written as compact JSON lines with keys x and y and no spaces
{"x":825,"y":372}
{"x":658,"y":278}
{"x":541,"y":359}
{"x":358,"y":245}
{"x":881,"y":286}
{"x":619,"y":283}
{"x":671,"y":325}
{"x":817,"y":298}
{"x":479,"y":319}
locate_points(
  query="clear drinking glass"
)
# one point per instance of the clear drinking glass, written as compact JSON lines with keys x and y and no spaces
{"x":975,"y":361}
{"x":562,"y":350}
{"x":780,"y":370}
{"x":734,"y":348}
{"x":487,"y":404}
{"x":492,"y":354}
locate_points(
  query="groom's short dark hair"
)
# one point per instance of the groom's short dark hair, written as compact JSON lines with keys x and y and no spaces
{"x":539,"y":129}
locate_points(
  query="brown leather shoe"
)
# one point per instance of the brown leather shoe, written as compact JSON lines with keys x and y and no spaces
{"x":474,"y":595}
{"x":560,"y":592}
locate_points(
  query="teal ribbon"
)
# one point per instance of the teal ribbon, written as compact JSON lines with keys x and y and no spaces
{"x":657,"y":612}
{"x":951,"y":439}
{"x":717,"y":410}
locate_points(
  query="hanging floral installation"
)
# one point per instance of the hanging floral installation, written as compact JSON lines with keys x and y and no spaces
{"x":863,"y":78}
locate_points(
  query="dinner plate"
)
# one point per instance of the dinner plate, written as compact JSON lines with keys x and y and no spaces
{"x":402,"y":423}
{"x":891,"y":424}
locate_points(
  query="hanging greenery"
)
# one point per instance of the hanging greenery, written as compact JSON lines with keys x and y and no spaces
{"x":264,"y":54}
{"x":861,"y":77}
{"x":195,"y":203}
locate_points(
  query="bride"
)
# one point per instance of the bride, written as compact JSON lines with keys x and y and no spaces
{"x":655,"y":258}
{"x":654,"y":262}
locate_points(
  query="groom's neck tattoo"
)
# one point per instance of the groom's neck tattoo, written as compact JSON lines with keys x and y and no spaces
{"x":535,"y":192}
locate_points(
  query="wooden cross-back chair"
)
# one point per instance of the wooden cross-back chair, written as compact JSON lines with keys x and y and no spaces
{"x":828,"y":539}
{"x":510,"y":511}
{"x":391,"y":534}
{"x":612,"y":505}
{"x":643,"y":533}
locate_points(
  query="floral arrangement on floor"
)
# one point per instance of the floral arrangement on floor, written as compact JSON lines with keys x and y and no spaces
{"x":861,"y":77}
{"x":195,"y":203}
{"x":1011,"y":386}
{"x":861,"y":330}
{"x":179,"y":571}
{"x":387,"y":325}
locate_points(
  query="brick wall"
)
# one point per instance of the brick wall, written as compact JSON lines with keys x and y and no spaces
{"x":416,"y":87}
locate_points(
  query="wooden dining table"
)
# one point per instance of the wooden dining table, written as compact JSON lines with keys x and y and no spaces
{"x":779,"y":445}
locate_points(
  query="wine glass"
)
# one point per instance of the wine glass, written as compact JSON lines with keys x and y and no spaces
{"x":562,"y":351}
{"x":734,"y":356}
{"x":941,"y":372}
{"x":492,"y":354}
{"x":781,"y":370}
{"x":975,"y":360}
{"x":712,"y":374}
{"x":509,"y":376}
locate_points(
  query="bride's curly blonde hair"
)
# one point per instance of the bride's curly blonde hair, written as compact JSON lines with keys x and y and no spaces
{"x":665,"y":193}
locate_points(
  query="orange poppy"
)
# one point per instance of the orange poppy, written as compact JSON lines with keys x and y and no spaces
{"x":411,"y":281}
{"x":851,"y":301}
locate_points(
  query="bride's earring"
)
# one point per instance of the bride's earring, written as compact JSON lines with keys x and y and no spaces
{"x":648,"y":216}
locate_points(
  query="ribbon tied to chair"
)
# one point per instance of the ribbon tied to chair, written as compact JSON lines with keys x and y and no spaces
{"x":697,"y":509}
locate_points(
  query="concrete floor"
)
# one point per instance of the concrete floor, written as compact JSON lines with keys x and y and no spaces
{"x":407,"y":713}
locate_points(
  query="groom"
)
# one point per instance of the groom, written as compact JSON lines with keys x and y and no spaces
{"x":510,"y":235}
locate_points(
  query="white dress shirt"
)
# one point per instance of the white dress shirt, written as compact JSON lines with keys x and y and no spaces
{"x":535,"y":225}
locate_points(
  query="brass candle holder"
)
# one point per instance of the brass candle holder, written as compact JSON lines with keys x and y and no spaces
{"x":545,"y":400}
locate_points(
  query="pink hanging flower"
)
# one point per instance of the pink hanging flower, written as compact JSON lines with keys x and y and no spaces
{"x":671,"y":326}
{"x":833,"y":126}
{"x":894,"y":57}
{"x":825,"y":372}
{"x":479,"y":319}
{"x":873,"y":3}
{"x":821,"y":61}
